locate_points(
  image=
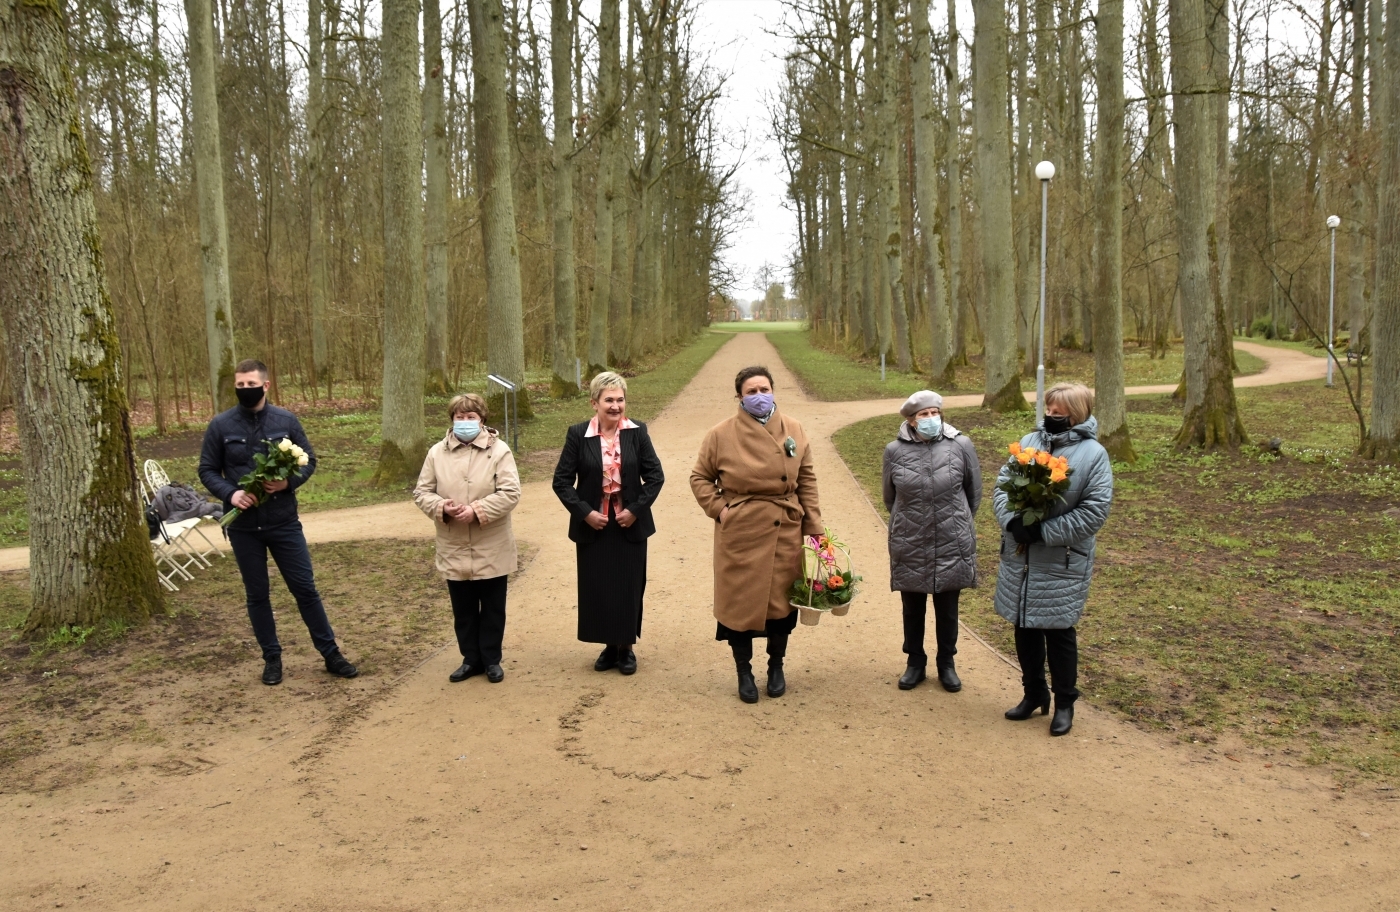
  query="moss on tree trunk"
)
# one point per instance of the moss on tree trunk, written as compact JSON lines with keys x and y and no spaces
{"x":90,"y":559}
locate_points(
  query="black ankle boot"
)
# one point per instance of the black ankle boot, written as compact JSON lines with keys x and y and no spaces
{"x":911,"y":677}
{"x":777,"y":682}
{"x":748,"y":690}
{"x":948,"y":677}
{"x":1027,"y":707}
{"x":1064,"y":718}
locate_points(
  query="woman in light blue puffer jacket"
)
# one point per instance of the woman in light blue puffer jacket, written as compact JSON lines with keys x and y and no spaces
{"x":1042,"y":591}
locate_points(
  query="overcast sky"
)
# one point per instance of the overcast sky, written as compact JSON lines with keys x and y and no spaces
{"x":738,"y":35}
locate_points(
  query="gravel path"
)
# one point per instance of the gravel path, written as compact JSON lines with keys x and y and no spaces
{"x":566,"y":789}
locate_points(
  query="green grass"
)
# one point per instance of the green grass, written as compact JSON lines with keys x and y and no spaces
{"x":1235,"y":595}
{"x":347,"y":440}
{"x":834,"y":373}
{"x":760,"y":326}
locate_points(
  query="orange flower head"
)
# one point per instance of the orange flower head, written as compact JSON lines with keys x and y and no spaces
{"x":1014,"y":449}
{"x":1042,"y":458}
{"x":1024,"y":458}
{"x":1057,"y":475}
{"x":835,"y":581}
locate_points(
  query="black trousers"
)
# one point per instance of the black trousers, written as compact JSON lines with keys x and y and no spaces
{"x":287,"y":545}
{"x":1061,"y":648}
{"x":479,"y":617}
{"x":743,"y":651}
{"x":945,"y":626}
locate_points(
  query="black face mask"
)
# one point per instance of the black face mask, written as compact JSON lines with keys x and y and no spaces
{"x":1057,"y":424}
{"x":249,"y":396}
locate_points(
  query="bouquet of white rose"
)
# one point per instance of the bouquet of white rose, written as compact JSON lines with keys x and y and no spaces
{"x":282,"y":460}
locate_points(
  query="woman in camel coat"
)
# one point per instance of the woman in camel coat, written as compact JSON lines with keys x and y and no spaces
{"x":468,"y":487}
{"x":754,"y":478}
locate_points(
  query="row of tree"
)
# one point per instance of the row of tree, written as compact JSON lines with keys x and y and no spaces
{"x":1191,"y":210}
{"x":401,"y":207}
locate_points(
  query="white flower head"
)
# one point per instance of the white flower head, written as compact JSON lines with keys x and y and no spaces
{"x":285,"y":446}
{"x":303,"y":459}
{"x":297,"y":451}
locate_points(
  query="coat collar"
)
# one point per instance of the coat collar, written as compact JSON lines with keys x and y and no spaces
{"x":483,"y":441}
{"x":626,"y":424}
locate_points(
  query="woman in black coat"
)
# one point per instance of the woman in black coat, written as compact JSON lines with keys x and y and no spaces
{"x":608,"y":477}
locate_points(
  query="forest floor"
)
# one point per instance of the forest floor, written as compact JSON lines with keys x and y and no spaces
{"x":155,"y":772}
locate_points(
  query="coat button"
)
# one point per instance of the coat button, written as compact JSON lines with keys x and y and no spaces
{"x":777,"y":522}
{"x":784,"y":478}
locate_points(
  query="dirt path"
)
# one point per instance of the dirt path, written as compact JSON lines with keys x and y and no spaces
{"x":567,"y":789}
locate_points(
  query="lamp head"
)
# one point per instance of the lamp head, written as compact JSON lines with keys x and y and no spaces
{"x":1333,"y":221}
{"x":1045,"y":170}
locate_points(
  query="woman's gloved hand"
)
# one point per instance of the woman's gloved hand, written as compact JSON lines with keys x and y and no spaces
{"x":1023,"y":534}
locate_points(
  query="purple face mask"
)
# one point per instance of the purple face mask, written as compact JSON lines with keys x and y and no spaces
{"x":758,"y":404}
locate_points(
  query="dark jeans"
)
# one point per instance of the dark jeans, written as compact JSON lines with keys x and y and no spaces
{"x":287,"y":545}
{"x":945,"y":626}
{"x":479,"y":617}
{"x":1061,"y":647}
{"x":743,"y":652}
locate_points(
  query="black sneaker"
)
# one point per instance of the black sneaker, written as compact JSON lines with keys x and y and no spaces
{"x":340,"y":666}
{"x":272,"y":671}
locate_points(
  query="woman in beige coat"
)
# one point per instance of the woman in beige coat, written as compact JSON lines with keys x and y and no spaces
{"x":754,"y":478}
{"x":468,"y":487}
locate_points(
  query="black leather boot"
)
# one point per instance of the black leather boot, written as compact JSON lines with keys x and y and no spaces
{"x":948,"y":677}
{"x":777,"y":649}
{"x":911,"y":677}
{"x":748,"y":690}
{"x":743,"y":656}
{"x":1064,"y":718}
{"x":1027,"y":707}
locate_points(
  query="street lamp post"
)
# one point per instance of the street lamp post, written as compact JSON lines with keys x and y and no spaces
{"x":1332,"y":223}
{"x":1044,"y":171}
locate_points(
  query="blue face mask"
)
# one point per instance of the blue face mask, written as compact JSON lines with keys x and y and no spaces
{"x":466,"y":431}
{"x":758,"y":404}
{"x":930,"y":428}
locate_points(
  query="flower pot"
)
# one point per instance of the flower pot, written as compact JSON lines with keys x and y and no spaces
{"x":809,"y":616}
{"x":840,"y":610}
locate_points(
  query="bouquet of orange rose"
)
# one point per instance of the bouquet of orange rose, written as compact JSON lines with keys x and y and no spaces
{"x":1035,"y":481}
{"x":827,"y":581}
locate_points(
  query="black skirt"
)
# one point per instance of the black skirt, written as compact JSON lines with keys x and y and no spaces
{"x":780,"y":626}
{"x":612,"y":579}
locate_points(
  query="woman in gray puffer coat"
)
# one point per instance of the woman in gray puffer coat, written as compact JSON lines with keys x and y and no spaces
{"x":1042,"y":591}
{"x":932,"y":486}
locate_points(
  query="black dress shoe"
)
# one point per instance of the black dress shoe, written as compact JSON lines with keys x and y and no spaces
{"x":1027,"y":707}
{"x":272,"y":671}
{"x":1064,"y":719}
{"x":777,"y":682}
{"x":949,"y":679}
{"x":340,"y":666}
{"x":627,"y":662}
{"x":495,"y":674}
{"x":464,"y":671}
{"x":748,"y":690}
{"x":606,"y":659}
{"x":911,"y":677}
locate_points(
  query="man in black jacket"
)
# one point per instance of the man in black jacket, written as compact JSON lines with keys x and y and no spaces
{"x":267,"y":524}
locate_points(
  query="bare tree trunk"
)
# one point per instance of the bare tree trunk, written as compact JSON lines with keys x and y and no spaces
{"x":1109,"y":404}
{"x":926,"y":182}
{"x":404,"y":443}
{"x":90,"y":560}
{"x":315,"y":167}
{"x":989,"y":108}
{"x":505,"y":340}
{"x":953,"y":167}
{"x":1211,"y":418}
{"x":209,"y":180}
{"x":1218,"y":28}
{"x":898,"y":317}
{"x":435,"y":215}
{"x":1360,"y":216}
{"x":1384,"y":440}
{"x":609,"y":100}
{"x":561,"y":54}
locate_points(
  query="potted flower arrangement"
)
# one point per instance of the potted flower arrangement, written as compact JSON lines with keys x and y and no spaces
{"x":827,"y":583}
